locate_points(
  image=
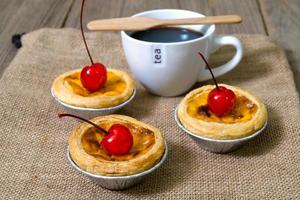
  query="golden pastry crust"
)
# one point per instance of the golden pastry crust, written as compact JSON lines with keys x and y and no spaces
{"x":68,"y":88}
{"x":141,"y":157}
{"x":229,"y":127}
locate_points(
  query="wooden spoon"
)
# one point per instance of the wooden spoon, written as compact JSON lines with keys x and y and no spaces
{"x":143,"y":23}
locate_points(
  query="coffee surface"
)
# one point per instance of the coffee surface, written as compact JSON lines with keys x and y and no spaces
{"x":166,"y":35}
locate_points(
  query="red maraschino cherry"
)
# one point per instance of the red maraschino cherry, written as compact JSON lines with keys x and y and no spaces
{"x":117,"y":141}
{"x":92,"y":77}
{"x":220,"y":100}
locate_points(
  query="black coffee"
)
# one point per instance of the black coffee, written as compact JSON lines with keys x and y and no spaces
{"x":166,"y":35}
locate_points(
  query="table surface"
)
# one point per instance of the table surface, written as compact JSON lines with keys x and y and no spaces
{"x":278,"y":19}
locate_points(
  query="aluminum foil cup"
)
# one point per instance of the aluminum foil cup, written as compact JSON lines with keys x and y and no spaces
{"x":118,"y":182}
{"x":215,"y":145}
{"x":92,"y":112}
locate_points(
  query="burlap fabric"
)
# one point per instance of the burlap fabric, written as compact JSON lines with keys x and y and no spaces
{"x":33,"y":140}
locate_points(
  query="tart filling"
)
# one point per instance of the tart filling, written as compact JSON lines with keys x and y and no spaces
{"x":87,"y":153}
{"x":243,"y":110}
{"x":113,"y":87}
{"x":248,"y":115}
{"x":143,"y":140}
{"x":118,"y":88}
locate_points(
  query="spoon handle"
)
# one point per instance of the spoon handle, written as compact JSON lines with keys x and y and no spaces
{"x":143,"y":23}
{"x":222,"y":19}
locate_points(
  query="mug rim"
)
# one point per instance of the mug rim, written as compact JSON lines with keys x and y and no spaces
{"x":205,"y":36}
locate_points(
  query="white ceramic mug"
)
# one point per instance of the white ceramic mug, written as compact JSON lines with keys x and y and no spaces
{"x":170,"y":69}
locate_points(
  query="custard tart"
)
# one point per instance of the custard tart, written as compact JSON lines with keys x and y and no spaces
{"x":86,"y":150}
{"x":248,"y":115}
{"x":68,"y":88}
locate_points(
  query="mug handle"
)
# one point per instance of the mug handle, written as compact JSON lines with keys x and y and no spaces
{"x":219,"y":41}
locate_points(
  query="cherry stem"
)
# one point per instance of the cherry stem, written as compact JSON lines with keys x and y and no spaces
{"x":60,"y":115}
{"x":82,"y":33}
{"x":208,"y":66}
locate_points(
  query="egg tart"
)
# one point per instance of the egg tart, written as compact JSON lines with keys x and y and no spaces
{"x":248,"y":115}
{"x":68,"y":88}
{"x":86,"y":150}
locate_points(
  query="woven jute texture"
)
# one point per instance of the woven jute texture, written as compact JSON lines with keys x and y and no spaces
{"x":33,"y":140}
